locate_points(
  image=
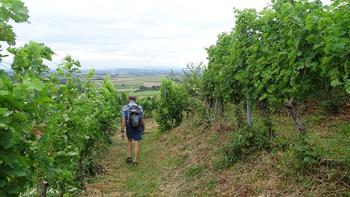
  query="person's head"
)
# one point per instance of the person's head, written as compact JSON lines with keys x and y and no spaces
{"x":132,"y":98}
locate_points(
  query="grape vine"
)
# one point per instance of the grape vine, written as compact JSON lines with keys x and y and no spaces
{"x":53,"y":126}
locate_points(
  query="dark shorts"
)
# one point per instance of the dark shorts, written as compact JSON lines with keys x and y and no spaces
{"x":134,"y":134}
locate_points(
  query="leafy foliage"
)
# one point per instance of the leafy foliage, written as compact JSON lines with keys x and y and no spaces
{"x":148,"y":104}
{"x":289,"y":53}
{"x":11,"y":10}
{"x":286,"y":54}
{"x":242,"y":144}
{"x":170,"y":105}
{"x":29,"y":60}
{"x":52,"y":130}
{"x":52,"y":125}
{"x":193,"y":79}
{"x":312,"y":155}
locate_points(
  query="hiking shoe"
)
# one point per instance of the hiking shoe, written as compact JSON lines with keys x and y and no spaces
{"x":129,"y":160}
{"x":135,"y":163}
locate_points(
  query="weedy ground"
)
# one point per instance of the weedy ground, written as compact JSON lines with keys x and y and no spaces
{"x":183,"y":162}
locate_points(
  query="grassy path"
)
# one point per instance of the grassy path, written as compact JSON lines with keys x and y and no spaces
{"x":183,"y":162}
{"x":122,"y":179}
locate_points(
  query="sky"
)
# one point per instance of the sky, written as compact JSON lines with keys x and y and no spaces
{"x":105,"y":34}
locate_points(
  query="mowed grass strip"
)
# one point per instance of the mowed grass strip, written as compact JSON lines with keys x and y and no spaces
{"x":144,"y":179}
{"x":122,"y":179}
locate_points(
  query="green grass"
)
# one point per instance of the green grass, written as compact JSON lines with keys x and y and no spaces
{"x":127,"y":87}
{"x":186,"y":161}
{"x":146,"y":93}
{"x":125,"y":179}
{"x":180,"y":160}
{"x":344,"y":127}
{"x":213,"y":138}
{"x":128,"y":90}
{"x":139,"y":94}
{"x":144,"y":179}
{"x":194,"y":171}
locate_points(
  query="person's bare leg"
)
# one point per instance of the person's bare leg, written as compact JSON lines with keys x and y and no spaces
{"x":136,"y":150}
{"x":129,"y":148}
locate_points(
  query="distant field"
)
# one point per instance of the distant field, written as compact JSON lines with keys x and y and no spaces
{"x":130,"y":83}
{"x":146,"y":93}
{"x":135,"y":81}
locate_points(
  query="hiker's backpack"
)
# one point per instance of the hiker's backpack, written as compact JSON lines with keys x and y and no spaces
{"x":134,"y":117}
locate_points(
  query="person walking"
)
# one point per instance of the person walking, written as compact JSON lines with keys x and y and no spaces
{"x":134,"y":124}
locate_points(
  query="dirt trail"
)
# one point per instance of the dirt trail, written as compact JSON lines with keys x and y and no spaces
{"x":122,"y":179}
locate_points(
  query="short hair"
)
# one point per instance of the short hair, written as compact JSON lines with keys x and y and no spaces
{"x":133,"y":98}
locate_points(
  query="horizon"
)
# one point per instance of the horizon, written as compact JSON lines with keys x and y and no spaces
{"x":123,"y":70}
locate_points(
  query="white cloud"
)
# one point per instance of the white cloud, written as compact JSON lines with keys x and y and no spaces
{"x":121,"y":33}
